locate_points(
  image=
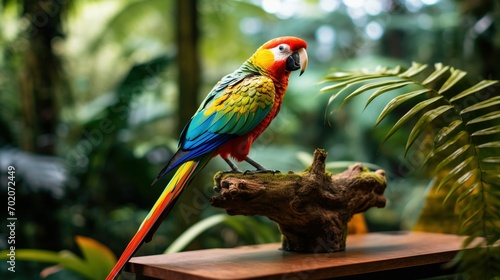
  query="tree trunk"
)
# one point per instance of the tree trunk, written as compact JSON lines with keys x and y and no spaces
{"x":40,"y":80}
{"x":188,"y":59}
{"x":42,"y":75}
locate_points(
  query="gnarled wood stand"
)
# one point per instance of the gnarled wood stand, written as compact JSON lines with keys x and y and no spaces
{"x":312,"y":208}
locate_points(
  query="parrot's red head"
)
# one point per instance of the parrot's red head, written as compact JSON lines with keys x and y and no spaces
{"x":280,"y":56}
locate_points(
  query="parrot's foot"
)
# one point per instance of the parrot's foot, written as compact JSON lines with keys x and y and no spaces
{"x":232,"y":165}
{"x":237,"y":171}
{"x":259,"y":168}
{"x":260,"y":171}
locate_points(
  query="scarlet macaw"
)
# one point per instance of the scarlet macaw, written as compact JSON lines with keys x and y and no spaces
{"x":237,"y":110}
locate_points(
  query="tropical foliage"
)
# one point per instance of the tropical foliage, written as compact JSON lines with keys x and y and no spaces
{"x":93,"y":95}
{"x":95,"y":263}
{"x":463,"y":123}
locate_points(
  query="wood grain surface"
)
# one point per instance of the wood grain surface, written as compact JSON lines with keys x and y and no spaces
{"x":365,"y":253}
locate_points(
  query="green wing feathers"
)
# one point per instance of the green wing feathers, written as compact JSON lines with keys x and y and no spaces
{"x":237,"y":109}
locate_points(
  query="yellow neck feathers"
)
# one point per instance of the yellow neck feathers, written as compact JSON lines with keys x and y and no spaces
{"x":263,"y":59}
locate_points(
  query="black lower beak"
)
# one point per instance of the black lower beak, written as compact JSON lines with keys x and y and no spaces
{"x":293,"y":62}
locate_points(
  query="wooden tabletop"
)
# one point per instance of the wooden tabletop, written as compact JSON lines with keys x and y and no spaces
{"x":365,"y":253}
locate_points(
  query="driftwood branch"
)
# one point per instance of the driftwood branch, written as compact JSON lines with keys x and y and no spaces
{"x":312,"y":208}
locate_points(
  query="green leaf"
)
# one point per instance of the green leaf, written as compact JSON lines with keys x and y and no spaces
{"x":66,"y":259}
{"x":491,"y":160}
{"x":455,"y":77}
{"x":457,"y":153}
{"x":492,"y":177}
{"x":471,"y":163}
{"x":440,"y":70}
{"x":415,"y":69}
{"x":495,"y":144}
{"x":194,"y":231}
{"x":460,"y":182}
{"x":386,"y":89}
{"x":350,"y":82}
{"x":444,"y":146}
{"x":468,"y":192}
{"x":456,"y":171}
{"x":417,"y":108}
{"x":331,"y":99}
{"x":255,"y":232}
{"x":426,"y":119}
{"x":482,"y":105}
{"x":472,"y":202}
{"x":99,"y":258}
{"x":367,"y":87}
{"x":474,"y":89}
{"x":339,"y":75}
{"x":487,"y":131}
{"x":394,"y":71}
{"x":486,"y":117}
{"x":475,"y":213}
{"x":398,"y":100}
{"x":448,"y":130}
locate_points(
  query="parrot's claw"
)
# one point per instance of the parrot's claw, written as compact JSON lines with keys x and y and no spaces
{"x":260,"y":171}
{"x":233,"y":171}
{"x":259,"y":168}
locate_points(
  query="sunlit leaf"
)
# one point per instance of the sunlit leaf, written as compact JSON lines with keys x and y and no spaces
{"x":367,"y":87}
{"x":486,"y":117}
{"x":494,"y":101}
{"x":440,"y":70}
{"x":339,"y":75}
{"x":445,"y":145}
{"x":466,"y":146}
{"x":491,"y":160}
{"x":413,"y":111}
{"x":426,"y":118}
{"x":474,"y":89}
{"x":455,"y":77}
{"x":487,"y":131}
{"x":459,"y":183}
{"x":385,"y":89}
{"x":415,"y":69}
{"x":332,"y":99}
{"x":394,"y":71}
{"x":495,"y":144}
{"x":457,"y":153}
{"x":398,"y":100}
{"x":448,"y":130}
{"x":468,"y":192}
{"x":350,"y":82}
{"x":455,"y":172}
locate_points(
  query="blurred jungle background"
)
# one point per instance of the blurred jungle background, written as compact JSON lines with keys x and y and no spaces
{"x":93,"y":96}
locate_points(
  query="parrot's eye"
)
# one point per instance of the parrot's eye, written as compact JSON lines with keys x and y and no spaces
{"x":281,"y":48}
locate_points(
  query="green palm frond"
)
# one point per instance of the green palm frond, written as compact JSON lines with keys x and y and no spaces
{"x":464,"y":123}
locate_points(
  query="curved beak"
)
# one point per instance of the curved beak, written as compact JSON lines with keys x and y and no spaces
{"x":303,"y":60}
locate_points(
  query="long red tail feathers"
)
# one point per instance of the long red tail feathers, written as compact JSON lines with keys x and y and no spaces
{"x":159,"y":211}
